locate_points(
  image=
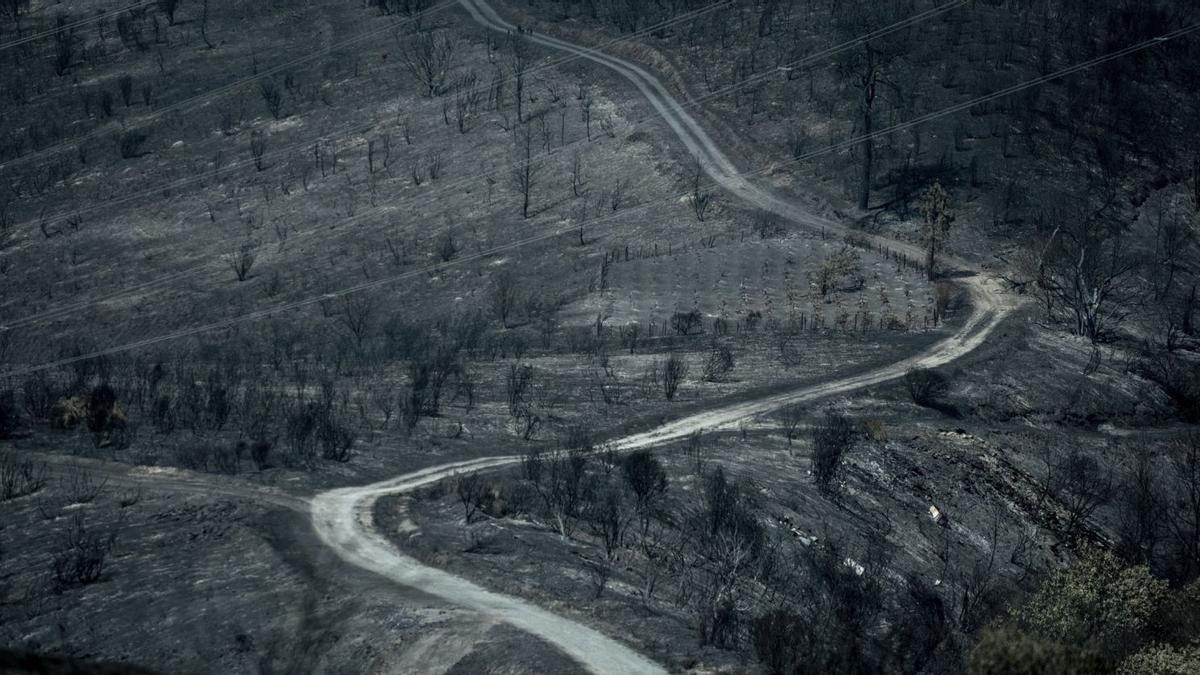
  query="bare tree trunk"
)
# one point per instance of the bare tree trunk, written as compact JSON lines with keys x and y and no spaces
{"x":519,"y":61}
{"x":204,"y":24}
{"x":868,"y":150}
{"x":869,"y":77}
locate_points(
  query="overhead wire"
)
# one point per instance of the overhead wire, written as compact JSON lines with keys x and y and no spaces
{"x":459,"y":182}
{"x":73,"y":25}
{"x":772,"y":167}
{"x":207,"y":96}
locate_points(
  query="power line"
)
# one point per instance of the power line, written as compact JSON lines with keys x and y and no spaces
{"x":428,"y":196}
{"x":182,"y":182}
{"x":73,"y":25}
{"x":358,"y":288}
{"x":219,"y":91}
{"x":1008,"y":91}
{"x":66,"y":309}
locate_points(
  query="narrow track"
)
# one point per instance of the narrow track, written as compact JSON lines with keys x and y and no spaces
{"x":343,"y":519}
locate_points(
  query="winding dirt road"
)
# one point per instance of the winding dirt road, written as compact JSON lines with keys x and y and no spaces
{"x":343,"y":518}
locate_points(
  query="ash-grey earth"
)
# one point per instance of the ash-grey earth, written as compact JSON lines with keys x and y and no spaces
{"x":528,"y":336}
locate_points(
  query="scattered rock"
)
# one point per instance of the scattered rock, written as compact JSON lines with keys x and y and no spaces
{"x":936,"y":515}
{"x":852,"y":564}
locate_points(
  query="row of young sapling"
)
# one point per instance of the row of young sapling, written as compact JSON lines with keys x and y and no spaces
{"x":838,"y":271}
{"x":304,"y":397}
{"x":297,"y":393}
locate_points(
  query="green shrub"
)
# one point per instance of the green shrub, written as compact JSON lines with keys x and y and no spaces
{"x":68,"y":413}
{"x":1008,"y":651}
{"x":1162,"y":660}
{"x":1097,"y":600}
